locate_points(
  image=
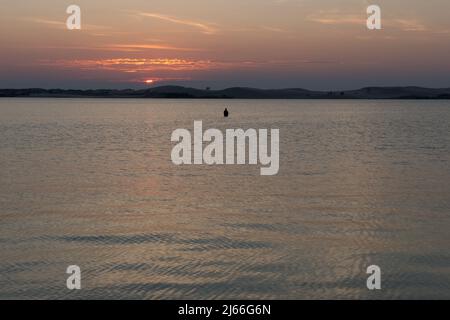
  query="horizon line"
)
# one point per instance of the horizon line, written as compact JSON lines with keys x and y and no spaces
{"x":232,"y":87}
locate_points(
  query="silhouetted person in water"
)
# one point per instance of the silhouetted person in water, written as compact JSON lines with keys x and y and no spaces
{"x":226,"y":113}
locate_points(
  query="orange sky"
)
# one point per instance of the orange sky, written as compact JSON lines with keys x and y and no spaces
{"x":315,"y":44}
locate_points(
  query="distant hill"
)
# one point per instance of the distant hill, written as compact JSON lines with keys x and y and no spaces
{"x":175,"y":92}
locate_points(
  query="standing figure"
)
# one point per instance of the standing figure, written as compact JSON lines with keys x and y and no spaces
{"x":226,"y":113}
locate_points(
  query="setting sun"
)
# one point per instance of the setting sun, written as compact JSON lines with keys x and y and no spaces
{"x":149,"y":81}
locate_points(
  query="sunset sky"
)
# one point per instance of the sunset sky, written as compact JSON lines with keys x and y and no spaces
{"x":313,"y":44}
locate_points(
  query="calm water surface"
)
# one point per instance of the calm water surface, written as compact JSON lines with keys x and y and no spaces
{"x":91,"y":183}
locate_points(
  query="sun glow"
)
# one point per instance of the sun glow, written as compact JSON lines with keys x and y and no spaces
{"x":149,"y":81}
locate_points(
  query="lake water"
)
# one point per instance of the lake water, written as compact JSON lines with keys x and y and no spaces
{"x":90,"y":183}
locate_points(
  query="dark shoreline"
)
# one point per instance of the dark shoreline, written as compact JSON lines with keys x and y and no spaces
{"x":177,"y":92}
